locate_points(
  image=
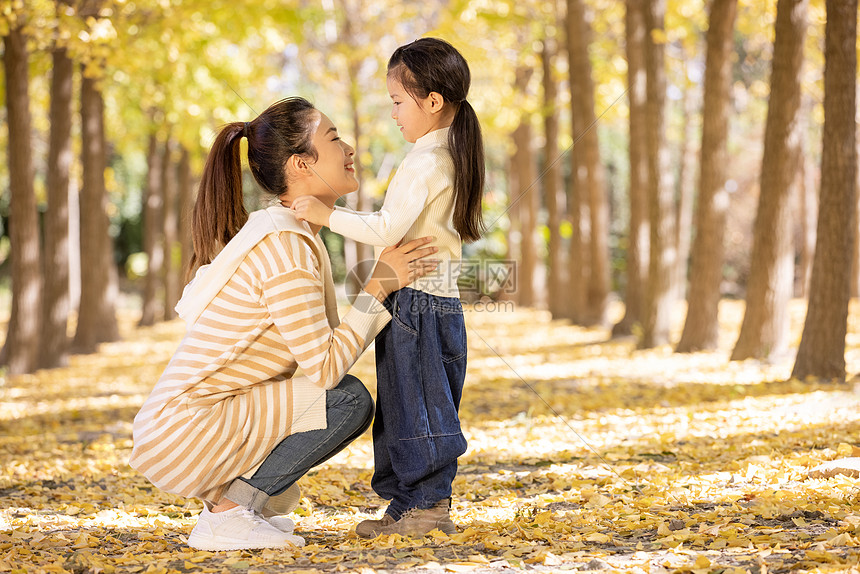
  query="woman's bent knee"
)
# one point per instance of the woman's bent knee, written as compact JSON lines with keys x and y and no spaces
{"x":364,"y":402}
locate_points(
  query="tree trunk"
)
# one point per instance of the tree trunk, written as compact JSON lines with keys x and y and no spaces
{"x":97,"y":317}
{"x":638,"y":234}
{"x":659,"y":296}
{"x":588,"y":166}
{"x":528,"y":199}
{"x":764,"y":331}
{"x":808,"y":214}
{"x":577,"y":256}
{"x":524,"y":198}
{"x":172,"y":271}
{"x":822,"y":346}
{"x":701,"y":327}
{"x":152,"y":234}
{"x":74,"y":244}
{"x":577,"y":210}
{"x":186,"y":204}
{"x":20,"y":353}
{"x":357,"y":256}
{"x":686,"y":185}
{"x":552,"y":186}
{"x":55,"y":313}
{"x":511,"y":291}
{"x":855,"y":286}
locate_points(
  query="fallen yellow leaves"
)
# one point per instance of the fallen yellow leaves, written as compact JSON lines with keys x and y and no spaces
{"x":657,"y":463}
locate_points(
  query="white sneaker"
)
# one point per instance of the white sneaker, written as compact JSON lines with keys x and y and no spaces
{"x":282,"y":523}
{"x":238,"y":529}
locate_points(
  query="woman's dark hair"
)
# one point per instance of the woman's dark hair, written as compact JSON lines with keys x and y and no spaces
{"x":433,"y":65}
{"x":283,"y":130}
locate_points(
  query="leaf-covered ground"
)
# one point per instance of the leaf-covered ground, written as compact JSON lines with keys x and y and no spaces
{"x":584,"y":454}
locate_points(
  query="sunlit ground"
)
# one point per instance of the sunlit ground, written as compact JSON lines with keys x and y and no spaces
{"x":583,"y":454}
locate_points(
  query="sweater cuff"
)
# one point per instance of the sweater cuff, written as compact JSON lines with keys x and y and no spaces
{"x":367,"y":316}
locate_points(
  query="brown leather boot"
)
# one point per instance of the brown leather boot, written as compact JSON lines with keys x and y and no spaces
{"x":371,"y":528}
{"x":414,"y":522}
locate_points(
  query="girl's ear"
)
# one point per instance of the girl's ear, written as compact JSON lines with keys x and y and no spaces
{"x":435,"y":102}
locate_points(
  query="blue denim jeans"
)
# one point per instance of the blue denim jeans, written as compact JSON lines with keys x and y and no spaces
{"x":349,"y":410}
{"x":420,"y":367}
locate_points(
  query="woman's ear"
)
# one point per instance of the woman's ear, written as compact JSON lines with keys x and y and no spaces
{"x":298,"y":165}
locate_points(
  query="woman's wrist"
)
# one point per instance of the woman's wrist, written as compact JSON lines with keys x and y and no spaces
{"x":375,"y":288}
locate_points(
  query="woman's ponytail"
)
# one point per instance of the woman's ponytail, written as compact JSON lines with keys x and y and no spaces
{"x":467,"y":150}
{"x":219,"y":211}
{"x":284,"y":129}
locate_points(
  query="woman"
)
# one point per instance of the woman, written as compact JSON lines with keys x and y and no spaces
{"x":257,"y":393}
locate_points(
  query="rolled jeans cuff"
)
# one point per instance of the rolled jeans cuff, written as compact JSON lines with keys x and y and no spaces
{"x":255,"y":499}
{"x":246,"y":495}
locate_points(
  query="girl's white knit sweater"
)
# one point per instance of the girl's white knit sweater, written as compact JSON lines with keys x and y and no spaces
{"x":419,"y":202}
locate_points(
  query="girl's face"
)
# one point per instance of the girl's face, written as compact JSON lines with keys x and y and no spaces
{"x":333,"y":170}
{"x":413,"y":116}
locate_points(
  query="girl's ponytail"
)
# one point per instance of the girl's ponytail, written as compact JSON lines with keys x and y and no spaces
{"x":467,"y":150}
{"x":219,"y":211}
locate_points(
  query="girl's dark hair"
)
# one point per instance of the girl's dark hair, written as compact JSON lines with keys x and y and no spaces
{"x":283,"y":130}
{"x":433,"y":65}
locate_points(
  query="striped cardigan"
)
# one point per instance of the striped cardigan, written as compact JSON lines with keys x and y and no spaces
{"x":256,"y":360}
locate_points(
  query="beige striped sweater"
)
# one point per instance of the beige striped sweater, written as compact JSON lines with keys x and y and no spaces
{"x":254,"y":365}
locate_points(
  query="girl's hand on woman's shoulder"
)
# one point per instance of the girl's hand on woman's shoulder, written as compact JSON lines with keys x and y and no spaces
{"x":309,"y":208}
{"x":400,"y":265}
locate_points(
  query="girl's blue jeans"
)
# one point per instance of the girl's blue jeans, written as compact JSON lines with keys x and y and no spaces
{"x":420,"y":366}
{"x":349,"y":409}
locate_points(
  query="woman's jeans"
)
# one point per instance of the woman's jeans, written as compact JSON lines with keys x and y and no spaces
{"x":349,"y":410}
{"x":420,"y":367}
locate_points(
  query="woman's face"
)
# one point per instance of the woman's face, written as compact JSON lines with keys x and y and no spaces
{"x":334,"y":170}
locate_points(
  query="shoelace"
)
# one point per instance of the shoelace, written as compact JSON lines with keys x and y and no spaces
{"x":254,"y":517}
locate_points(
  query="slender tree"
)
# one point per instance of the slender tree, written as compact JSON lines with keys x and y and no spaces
{"x":701,"y":328}
{"x":855,"y":281}
{"x":97,"y":321}
{"x":807,"y":207}
{"x":588,"y":168}
{"x":153,"y":239}
{"x":523,"y":196}
{"x":55,"y":312}
{"x":21,"y":350}
{"x":638,"y":233}
{"x":764,"y":331}
{"x":551,"y":181}
{"x":578,"y":258}
{"x":686,"y":185}
{"x":659,"y":295}
{"x":171,"y":273}
{"x":822,"y":346}
{"x":186,"y":202}
{"x":346,"y":18}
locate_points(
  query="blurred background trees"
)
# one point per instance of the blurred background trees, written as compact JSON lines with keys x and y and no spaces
{"x":646,"y":151}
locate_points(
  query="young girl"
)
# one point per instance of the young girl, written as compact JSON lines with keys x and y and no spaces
{"x":421,"y":354}
{"x":231,"y":421}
